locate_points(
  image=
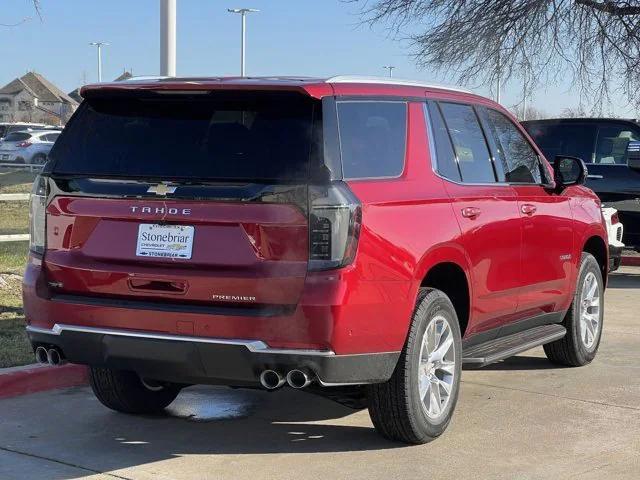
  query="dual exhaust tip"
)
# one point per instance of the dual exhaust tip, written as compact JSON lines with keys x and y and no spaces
{"x":270,"y":379}
{"x":51,"y":356}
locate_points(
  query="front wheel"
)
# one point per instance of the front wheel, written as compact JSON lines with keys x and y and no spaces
{"x":417,"y":403}
{"x":583,"y":320}
{"x":126,"y":392}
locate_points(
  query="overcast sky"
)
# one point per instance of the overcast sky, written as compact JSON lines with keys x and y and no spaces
{"x":288,"y":37}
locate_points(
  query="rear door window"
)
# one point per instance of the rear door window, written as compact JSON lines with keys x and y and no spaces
{"x":469,"y":143}
{"x":252,"y":137}
{"x":372,"y":138}
{"x":519,"y":159}
{"x":612,"y":142}
{"x":573,"y":139}
{"x":445,"y":160}
{"x":17,"y":137}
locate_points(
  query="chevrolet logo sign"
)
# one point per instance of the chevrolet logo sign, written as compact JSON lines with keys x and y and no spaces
{"x":161,"y":189}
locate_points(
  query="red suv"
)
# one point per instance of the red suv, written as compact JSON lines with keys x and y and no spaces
{"x":359,"y":238}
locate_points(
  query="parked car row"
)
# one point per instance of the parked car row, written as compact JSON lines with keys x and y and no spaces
{"x":27,"y":143}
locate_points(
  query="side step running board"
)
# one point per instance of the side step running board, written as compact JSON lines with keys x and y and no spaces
{"x":505,"y":347}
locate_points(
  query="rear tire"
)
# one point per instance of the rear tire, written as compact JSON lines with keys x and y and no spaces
{"x":579,"y":346}
{"x":124,"y":391}
{"x":414,"y":406}
{"x":39,"y":159}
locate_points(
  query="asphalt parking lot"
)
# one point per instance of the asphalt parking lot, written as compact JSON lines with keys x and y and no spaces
{"x":522,"y":418}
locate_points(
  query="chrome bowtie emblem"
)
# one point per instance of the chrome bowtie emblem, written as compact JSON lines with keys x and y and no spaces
{"x":161,"y":189}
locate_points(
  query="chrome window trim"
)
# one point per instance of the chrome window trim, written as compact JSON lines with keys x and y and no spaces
{"x":392,"y":81}
{"x":254,"y":346}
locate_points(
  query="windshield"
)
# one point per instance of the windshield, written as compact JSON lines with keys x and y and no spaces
{"x":250,"y":136}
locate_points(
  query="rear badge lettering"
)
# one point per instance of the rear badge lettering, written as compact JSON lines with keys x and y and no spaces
{"x":565,"y":258}
{"x":233,"y":298}
{"x":160,"y":210}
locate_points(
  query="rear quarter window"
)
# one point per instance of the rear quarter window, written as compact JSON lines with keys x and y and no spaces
{"x":17,"y":137}
{"x":372,"y":138}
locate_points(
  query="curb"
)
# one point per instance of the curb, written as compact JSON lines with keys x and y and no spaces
{"x":630,"y":261}
{"x":16,"y":381}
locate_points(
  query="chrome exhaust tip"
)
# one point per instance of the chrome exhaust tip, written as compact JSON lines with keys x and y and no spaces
{"x":298,"y":379}
{"x":54,"y":358}
{"x":270,"y":379}
{"x":41,"y":355}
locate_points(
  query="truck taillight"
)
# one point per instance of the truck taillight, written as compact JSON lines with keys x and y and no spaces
{"x":615,"y":219}
{"x":37,"y":215}
{"x":334,"y":226}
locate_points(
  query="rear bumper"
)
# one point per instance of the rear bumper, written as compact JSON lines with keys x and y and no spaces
{"x":615,"y":256}
{"x":196,"y":360}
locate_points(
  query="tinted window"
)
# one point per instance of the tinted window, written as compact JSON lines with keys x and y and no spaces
{"x":445,"y":156}
{"x":612,"y":142}
{"x":17,"y":137}
{"x":52,"y":137}
{"x":520,"y":161}
{"x":230,"y":136}
{"x":372,"y":138}
{"x":576,"y":140}
{"x":468,"y":142}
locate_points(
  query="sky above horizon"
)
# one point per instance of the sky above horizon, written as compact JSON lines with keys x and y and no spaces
{"x":286,"y":37}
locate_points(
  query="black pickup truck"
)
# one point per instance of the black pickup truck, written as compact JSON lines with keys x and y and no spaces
{"x":607,"y":146}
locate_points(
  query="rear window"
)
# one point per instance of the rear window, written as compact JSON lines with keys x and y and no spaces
{"x":372,"y":138}
{"x":252,"y":137}
{"x":17,"y":137}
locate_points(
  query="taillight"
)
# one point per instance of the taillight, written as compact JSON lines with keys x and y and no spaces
{"x":37,"y":215}
{"x":334,"y":226}
{"x":24,"y":144}
{"x":615,"y":219}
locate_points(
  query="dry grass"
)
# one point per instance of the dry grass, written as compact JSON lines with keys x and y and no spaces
{"x":14,"y":345}
{"x":16,"y":181}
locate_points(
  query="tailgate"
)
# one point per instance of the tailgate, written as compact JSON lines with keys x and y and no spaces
{"x":183,"y":251}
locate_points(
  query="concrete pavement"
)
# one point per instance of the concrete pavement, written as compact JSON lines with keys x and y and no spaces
{"x":522,"y":418}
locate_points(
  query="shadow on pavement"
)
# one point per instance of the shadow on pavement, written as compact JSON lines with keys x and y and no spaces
{"x":202,"y":421}
{"x":624,"y":280}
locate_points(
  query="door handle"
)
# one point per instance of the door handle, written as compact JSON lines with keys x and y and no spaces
{"x":595,"y":177}
{"x":471,"y":212}
{"x":528,"y":209}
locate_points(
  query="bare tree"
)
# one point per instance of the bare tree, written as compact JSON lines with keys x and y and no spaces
{"x":36,"y":6}
{"x":593,"y":43}
{"x":532,"y":113}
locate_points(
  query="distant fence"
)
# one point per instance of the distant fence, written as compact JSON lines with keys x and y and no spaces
{"x":31,"y":167}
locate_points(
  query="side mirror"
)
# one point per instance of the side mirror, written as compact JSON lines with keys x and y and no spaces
{"x":569,"y":171}
{"x":633,"y":155}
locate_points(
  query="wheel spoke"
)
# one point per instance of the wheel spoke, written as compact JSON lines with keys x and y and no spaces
{"x":448,"y":367}
{"x":442,"y":349}
{"x":436,"y":401}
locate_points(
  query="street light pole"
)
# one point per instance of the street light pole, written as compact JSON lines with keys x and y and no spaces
{"x":243,"y":14}
{"x":390,"y":68}
{"x":168,"y":38}
{"x":99,"y":45}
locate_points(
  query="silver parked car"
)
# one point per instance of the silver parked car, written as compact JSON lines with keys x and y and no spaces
{"x":31,"y":147}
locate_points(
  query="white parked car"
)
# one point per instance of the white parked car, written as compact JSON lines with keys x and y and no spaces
{"x":614,"y":231}
{"x":31,"y":147}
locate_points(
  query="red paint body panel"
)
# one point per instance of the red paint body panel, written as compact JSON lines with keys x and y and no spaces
{"x":516,"y":265}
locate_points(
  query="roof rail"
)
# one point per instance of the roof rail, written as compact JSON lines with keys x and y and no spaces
{"x":392,"y":81}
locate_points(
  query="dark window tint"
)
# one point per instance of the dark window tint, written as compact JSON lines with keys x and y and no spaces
{"x":3,"y":129}
{"x":519,"y":159}
{"x":52,"y":137}
{"x":17,"y":137}
{"x":252,"y":137}
{"x":445,"y":157}
{"x":576,"y":140}
{"x":613,"y":139}
{"x":372,"y":138}
{"x":469,"y":143}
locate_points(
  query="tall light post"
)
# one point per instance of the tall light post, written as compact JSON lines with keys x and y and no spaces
{"x":391,"y":68}
{"x":99,"y":45}
{"x":168,"y":38}
{"x":243,"y":14}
